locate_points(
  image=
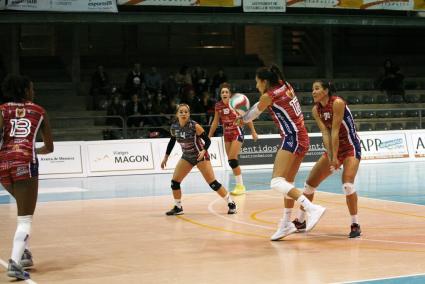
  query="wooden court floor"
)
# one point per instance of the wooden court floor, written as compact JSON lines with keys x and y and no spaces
{"x":130,"y":240}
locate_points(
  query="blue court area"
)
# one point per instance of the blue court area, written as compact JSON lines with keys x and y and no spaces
{"x":401,"y":182}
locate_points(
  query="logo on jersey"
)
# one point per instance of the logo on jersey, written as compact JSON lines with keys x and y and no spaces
{"x":20,"y":112}
{"x":226,"y":110}
{"x":20,"y":171}
{"x":20,"y":127}
{"x":326,"y":115}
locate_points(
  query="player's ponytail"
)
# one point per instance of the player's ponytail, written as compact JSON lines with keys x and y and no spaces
{"x":273,"y":75}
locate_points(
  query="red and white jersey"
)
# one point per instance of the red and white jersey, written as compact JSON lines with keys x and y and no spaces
{"x":21,"y":122}
{"x":227,"y":117}
{"x":347,"y":131}
{"x":286,"y":112}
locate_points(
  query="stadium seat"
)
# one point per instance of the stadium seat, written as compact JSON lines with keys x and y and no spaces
{"x":353,"y":100}
{"x":308,"y":116}
{"x":366,"y":127}
{"x":368,"y":114}
{"x":397,"y":113}
{"x":412,"y":125}
{"x":382,"y":99}
{"x":368,"y":100}
{"x":397,"y":126}
{"x":412,"y":99}
{"x":314,"y":129}
{"x":381,"y":126}
{"x":396,"y":99}
{"x":410,"y":85}
{"x":383,"y":114}
{"x":307,"y":101}
{"x":412,"y":113}
{"x":356,"y":114}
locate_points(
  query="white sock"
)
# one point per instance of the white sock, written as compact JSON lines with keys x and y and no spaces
{"x":228,"y":198}
{"x":239,"y":179}
{"x":178,"y":203}
{"x":354,"y":219}
{"x":304,"y":202}
{"x":287,"y":213}
{"x":301,"y":216}
{"x":22,"y":234}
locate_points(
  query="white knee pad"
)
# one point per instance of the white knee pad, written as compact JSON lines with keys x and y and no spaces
{"x":348,"y":188}
{"x":280,"y":184}
{"x":308,"y":189}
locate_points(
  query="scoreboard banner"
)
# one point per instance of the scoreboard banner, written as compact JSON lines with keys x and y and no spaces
{"x":107,"y":6}
{"x":201,"y":3}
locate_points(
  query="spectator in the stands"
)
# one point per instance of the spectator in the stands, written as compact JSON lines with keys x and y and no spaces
{"x":114,"y":111}
{"x":100,"y":86}
{"x":200,"y":80}
{"x":218,"y":79}
{"x":134,"y":83}
{"x":208,"y":106}
{"x":133,"y":111}
{"x":153,"y":81}
{"x":170,"y":88}
{"x":392,"y":81}
{"x":183,"y":79}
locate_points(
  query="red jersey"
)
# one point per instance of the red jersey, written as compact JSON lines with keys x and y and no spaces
{"x":21,"y":122}
{"x":228,"y":116}
{"x":349,"y":141}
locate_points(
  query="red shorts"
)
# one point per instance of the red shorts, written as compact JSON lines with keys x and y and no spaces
{"x":12,"y":171}
{"x":234,"y":135}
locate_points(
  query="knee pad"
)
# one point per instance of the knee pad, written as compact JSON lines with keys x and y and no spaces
{"x":215,"y":185}
{"x":175,"y":185}
{"x":280,"y":184}
{"x":348,"y":188}
{"x":233,"y":163}
{"x":308,"y":189}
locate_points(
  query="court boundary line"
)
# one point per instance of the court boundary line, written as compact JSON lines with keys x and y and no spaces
{"x":4,"y":264}
{"x":383,"y":278}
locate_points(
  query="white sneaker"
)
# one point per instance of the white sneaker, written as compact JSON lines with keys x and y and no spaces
{"x":313,"y":216}
{"x":285,"y":229}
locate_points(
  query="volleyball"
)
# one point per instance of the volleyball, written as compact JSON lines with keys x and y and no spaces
{"x":240,"y":103}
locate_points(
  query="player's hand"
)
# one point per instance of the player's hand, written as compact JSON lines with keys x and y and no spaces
{"x":201,"y":155}
{"x":334,"y":166}
{"x":239,"y":121}
{"x":164,"y":163}
{"x":254,"y":136}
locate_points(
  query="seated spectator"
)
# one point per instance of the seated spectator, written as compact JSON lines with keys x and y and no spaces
{"x":134,"y":83}
{"x":170,"y":88}
{"x":115,"y":108}
{"x":218,"y":79}
{"x":100,"y":86}
{"x":133,"y":111}
{"x":208,"y":107}
{"x":392,"y":79}
{"x":200,"y":81}
{"x":183,"y":79}
{"x":153,"y":81}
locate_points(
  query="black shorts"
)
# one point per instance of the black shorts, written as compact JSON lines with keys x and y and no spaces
{"x":194,"y":160}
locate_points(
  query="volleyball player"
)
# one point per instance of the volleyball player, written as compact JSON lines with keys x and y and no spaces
{"x":233,"y":134}
{"x":20,"y":120}
{"x":194,"y":143}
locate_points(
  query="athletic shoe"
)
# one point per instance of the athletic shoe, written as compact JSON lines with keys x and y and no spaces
{"x":26,"y":260}
{"x":313,"y":216}
{"x":175,"y":211}
{"x":299,"y":225}
{"x":355,"y":231}
{"x":232,"y":208}
{"x":15,"y":270}
{"x":238,"y":190}
{"x":285,"y":229}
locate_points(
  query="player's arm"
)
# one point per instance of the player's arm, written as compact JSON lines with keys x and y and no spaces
{"x":338,"y":113}
{"x":326,"y":136}
{"x":214,"y":124}
{"x":170,"y":147}
{"x":253,"y":132}
{"x":200,"y":132}
{"x":46,"y":134}
{"x":257,"y":108}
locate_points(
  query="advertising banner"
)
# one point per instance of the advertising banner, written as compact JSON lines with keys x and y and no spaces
{"x":115,"y":157}
{"x":215,"y":151}
{"x":109,"y":6}
{"x":383,"y":145}
{"x":264,"y":5}
{"x":202,"y":3}
{"x":418,"y":144}
{"x":66,"y":159}
{"x":402,"y":5}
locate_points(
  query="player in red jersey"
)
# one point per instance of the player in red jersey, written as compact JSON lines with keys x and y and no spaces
{"x":279,"y":98}
{"x":20,"y":120}
{"x":233,"y":134}
{"x":342,"y":148}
